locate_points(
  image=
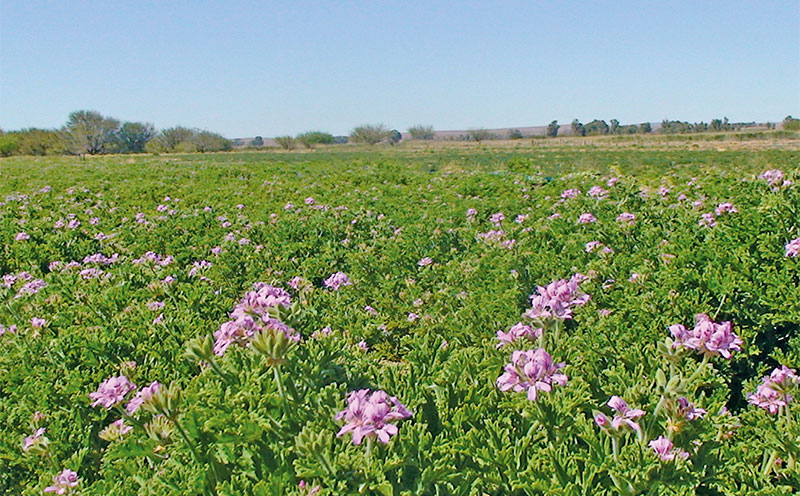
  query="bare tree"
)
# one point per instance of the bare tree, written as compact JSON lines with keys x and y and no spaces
{"x":369,"y":133}
{"x":87,"y":131}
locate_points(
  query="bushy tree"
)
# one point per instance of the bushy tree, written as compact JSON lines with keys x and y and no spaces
{"x":552,"y":129}
{"x":169,"y":139}
{"x":515,"y":134}
{"x":207,"y":141}
{"x":286,"y":142}
{"x":479,"y":134}
{"x":394,"y":137}
{"x":257,"y":141}
{"x":369,"y":133}
{"x":35,"y":141}
{"x":421,"y":132}
{"x":645,"y":127}
{"x":310,"y":139}
{"x":596,"y":127}
{"x":8,"y":144}
{"x":133,"y":136}
{"x":791,"y":124}
{"x":88,"y":131}
{"x":577,"y":128}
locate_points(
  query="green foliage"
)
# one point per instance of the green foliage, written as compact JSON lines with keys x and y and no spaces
{"x":552,"y":129}
{"x":421,"y":132}
{"x":285,"y":142}
{"x":791,"y":124}
{"x":132,"y":137}
{"x":312,"y":138}
{"x":9,"y":144}
{"x":261,"y":418}
{"x":369,"y":134}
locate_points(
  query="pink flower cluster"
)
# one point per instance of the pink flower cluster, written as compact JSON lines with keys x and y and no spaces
{"x":531,"y":371}
{"x":775,"y":390}
{"x":623,"y":420}
{"x":626,"y":217}
{"x":665,"y":450}
{"x":586,"y":218}
{"x":251,"y":315}
{"x":370,"y":415}
{"x":555,"y":301}
{"x":597,"y":192}
{"x":725,"y":208}
{"x":112,"y":391}
{"x":517,"y":332}
{"x":707,"y":337}
{"x":793,"y":248}
{"x":774,"y":177}
{"x":63,"y":482}
{"x":154,"y":258}
{"x":337,"y":280}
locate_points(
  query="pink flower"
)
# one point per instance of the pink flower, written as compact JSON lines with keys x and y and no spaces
{"x":424,"y":262}
{"x":309,"y":201}
{"x":517,"y":332}
{"x":112,"y":391}
{"x":775,"y":390}
{"x":36,"y":438}
{"x":665,"y":450}
{"x":724,"y":208}
{"x":38,"y":323}
{"x":63,"y":482}
{"x":570,"y":193}
{"x":362,"y":345}
{"x":793,"y":248}
{"x":531,"y":371}
{"x":592,"y":246}
{"x":774,"y":178}
{"x":597,"y":192}
{"x":471,"y":213}
{"x":412,"y":317}
{"x":625,"y":415}
{"x":708,"y":337}
{"x":370,"y":414}
{"x":555,"y":301}
{"x":143,"y":395}
{"x":497,"y":218}
{"x":22,"y":236}
{"x":626,"y":217}
{"x":707,"y":220}
{"x":337,"y":280}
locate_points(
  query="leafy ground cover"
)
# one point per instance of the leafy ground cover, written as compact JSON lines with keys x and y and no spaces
{"x":420,"y":322}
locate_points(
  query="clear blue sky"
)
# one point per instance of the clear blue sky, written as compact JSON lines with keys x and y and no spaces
{"x":268,"y":68}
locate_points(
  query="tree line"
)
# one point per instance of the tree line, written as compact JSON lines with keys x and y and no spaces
{"x":88,"y":132}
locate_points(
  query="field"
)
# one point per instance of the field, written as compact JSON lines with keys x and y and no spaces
{"x":587,"y":318}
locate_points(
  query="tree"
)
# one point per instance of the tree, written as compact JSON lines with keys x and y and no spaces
{"x":311,"y":138}
{"x":577,"y":128}
{"x":369,"y":133}
{"x":133,"y":136}
{"x":645,"y":127}
{"x":285,"y":142}
{"x":479,"y":134}
{"x":9,"y":144}
{"x":40,"y":142}
{"x":596,"y":127}
{"x":257,"y":141}
{"x":206,"y":141}
{"x":421,"y":132}
{"x":552,"y":129}
{"x":614,"y":128}
{"x":790,"y":124}
{"x":394,"y":137}
{"x":87,"y":131}
{"x":169,"y":139}
{"x":515,"y":134}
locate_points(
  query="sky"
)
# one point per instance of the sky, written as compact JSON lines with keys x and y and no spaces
{"x":271,"y":68}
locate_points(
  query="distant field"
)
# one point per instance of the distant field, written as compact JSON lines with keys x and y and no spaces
{"x":217,"y":275}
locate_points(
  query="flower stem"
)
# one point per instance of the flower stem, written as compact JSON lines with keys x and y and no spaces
{"x":186,"y":439}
